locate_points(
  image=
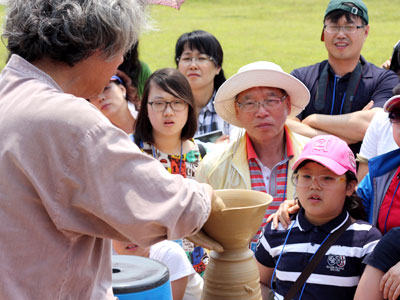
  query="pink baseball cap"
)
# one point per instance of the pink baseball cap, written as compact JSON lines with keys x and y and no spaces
{"x":329,"y":151}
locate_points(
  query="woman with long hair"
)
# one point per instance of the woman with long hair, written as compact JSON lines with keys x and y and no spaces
{"x":165,"y":127}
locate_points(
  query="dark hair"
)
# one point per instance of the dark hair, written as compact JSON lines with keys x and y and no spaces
{"x":131,"y":92}
{"x":396,"y":90}
{"x":335,"y":15}
{"x":71,"y":30}
{"x":206,"y":43}
{"x":353,"y":204}
{"x":175,"y":83}
{"x":131,"y":65}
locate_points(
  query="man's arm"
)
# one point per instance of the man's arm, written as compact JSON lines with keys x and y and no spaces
{"x":297,"y":126}
{"x":350,"y":127}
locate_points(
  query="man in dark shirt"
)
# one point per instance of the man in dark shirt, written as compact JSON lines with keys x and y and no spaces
{"x":346,"y":90}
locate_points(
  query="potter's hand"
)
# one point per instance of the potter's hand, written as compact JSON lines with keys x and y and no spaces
{"x":201,"y":238}
{"x":282,"y":215}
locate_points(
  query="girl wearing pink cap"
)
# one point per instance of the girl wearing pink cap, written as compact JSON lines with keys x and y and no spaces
{"x":330,"y":214}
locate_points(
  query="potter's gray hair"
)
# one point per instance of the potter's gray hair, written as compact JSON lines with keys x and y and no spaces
{"x":71,"y":30}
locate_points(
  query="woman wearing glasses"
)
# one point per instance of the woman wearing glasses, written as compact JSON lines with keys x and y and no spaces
{"x":199,"y":56}
{"x":165,"y":127}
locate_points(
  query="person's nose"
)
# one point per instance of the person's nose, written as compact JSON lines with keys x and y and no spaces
{"x":341,"y":33}
{"x":168,"y":110}
{"x":262,"y":111}
{"x":315,"y":184}
{"x":193,"y":63}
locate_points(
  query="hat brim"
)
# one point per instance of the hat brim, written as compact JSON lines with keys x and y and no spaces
{"x":392,"y":103}
{"x":332,"y":165}
{"x":225,"y":97}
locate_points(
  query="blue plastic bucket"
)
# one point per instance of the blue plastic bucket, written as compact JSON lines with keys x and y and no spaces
{"x":140,"y":278}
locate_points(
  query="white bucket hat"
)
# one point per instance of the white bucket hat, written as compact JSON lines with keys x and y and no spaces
{"x":260,"y":73}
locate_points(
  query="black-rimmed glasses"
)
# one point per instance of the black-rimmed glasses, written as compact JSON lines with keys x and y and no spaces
{"x":176,"y":105}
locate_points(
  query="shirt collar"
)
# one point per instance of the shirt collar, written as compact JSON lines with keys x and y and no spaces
{"x":289,"y":152}
{"x":329,"y":227}
{"x":365,"y":71}
{"x":210,"y":105}
{"x":21,"y":65}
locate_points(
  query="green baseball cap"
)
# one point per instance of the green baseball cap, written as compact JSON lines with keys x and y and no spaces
{"x":359,"y":9}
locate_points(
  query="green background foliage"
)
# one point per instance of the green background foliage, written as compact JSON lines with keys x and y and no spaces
{"x":286,"y":32}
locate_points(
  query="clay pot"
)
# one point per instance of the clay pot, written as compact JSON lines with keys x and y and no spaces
{"x":233,"y":274}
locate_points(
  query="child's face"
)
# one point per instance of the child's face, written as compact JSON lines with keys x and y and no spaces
{"x":168,"y":122}
{"x":125,"y":248}
{"x":322,"y":204}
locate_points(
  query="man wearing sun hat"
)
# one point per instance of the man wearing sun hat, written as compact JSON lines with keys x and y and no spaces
{"x":343,"y":86}
{"x":259,"y":98}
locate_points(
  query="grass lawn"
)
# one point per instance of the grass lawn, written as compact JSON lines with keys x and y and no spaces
{"x":286,"y":32}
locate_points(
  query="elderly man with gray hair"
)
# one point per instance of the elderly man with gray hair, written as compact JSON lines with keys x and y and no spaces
{"x":70,"y":180}
{"x":258,"y":98}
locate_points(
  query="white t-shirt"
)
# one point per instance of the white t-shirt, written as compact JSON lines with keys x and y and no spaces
{"x":378,"y":138}
{"x":174,"y":257}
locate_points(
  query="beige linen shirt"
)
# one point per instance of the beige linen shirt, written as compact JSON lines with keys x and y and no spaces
{"x":69,"y":182}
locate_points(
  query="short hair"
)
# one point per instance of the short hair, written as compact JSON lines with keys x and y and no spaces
{"x":335,"y":15}
{"x":70,"y":31}
{"x":396,"y":90}
{"x":175,"y":83}
{"x":206,"y":43}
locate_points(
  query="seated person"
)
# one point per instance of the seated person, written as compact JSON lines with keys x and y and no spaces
{"x":114,"y":104}
{"x":325,"y":179}
{"x":380,"y":187}
{"x":199,"y":57}
{"x":346,"y":90}
{"x":377,"y":140}
{"x":186,"y":284}
{"x":165,"y":127}
{"x":381,"y":278}
{"x":259,"y":98}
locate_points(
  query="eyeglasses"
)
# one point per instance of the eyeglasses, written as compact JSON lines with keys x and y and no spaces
{"x":394,"y":117}
{"x":202,"y":59}
{"x":350,"y":28}
{"x":324,"y":181}
{"x":175,"y":105}
{"x":253,"y":106}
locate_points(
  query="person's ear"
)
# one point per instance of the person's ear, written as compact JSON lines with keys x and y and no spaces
{"x":350,"y":187}
{"x":288,"y":104}
{"x":123,"y":90}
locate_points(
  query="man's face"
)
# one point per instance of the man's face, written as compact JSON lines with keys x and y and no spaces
{"x":264,"y":122}
{"x":343,"y":45}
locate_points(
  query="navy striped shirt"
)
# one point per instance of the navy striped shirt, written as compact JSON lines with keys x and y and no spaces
{"x":339,"y":271}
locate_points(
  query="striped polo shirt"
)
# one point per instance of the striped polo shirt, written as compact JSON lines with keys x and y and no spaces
{"x":273,"y":182}
{"x":338,"y":272}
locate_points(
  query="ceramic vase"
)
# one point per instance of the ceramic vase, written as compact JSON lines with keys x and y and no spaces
{"x":233,"y":274}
